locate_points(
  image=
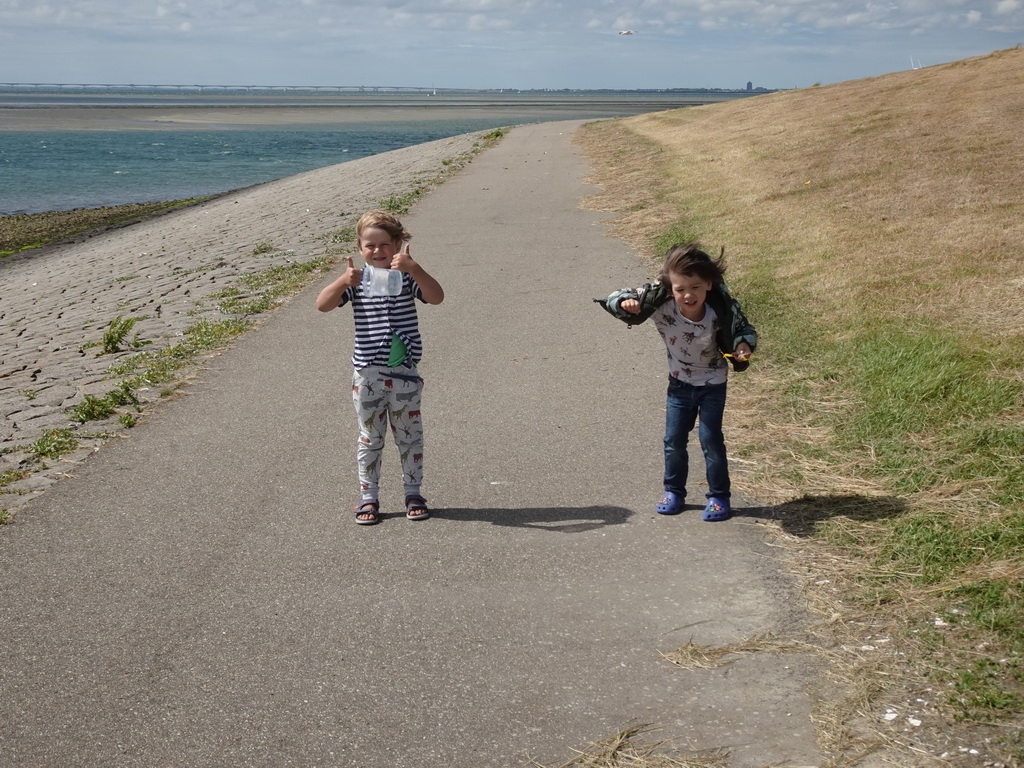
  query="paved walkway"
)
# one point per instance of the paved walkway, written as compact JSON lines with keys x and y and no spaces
{"x":198,"y":594}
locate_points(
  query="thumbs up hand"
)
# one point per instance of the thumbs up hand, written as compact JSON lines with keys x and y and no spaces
{"x":403,"y":261}
{"x":353,"y":275}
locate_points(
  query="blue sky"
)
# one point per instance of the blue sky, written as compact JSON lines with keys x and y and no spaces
{"x":493,"y":43}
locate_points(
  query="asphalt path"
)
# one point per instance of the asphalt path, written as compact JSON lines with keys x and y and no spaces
{"x":199,"y":595}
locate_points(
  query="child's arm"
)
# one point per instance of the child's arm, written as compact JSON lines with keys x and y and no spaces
{"x":330,"y":297}
{"x":432,"y":291}
{"x":744,"y":334}
{"x":635,"y":306}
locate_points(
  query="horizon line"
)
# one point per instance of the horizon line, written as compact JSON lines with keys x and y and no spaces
{"x":355,"y":88}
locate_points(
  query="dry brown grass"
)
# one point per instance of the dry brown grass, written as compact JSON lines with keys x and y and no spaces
{"x":696,"y":656}
{"x":890,"y":200}
{"x":889,"y":182}
{"x":630,"y":748}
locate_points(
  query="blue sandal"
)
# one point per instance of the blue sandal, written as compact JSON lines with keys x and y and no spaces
{"x":416,"y":508}
{"x":370,"y":511}
{"x":716,"y":510}
{"x":672,"y":504}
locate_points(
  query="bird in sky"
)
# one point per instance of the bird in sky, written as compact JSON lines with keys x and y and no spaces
{"x":626,"y":32}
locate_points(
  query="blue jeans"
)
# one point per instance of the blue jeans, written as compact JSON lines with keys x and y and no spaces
{"x":684,"y":404}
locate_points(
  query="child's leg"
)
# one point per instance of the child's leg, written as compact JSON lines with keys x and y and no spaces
{"x":712,"y":441}
{"x":680,"y":415}
{"x":370,"y":401}
{"x":405,"y":396}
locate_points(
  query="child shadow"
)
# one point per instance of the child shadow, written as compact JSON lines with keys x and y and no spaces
{"x":802,"y":517}
{"x":558,"y":519}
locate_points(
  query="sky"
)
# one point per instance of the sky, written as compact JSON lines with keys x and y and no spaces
{"x":525,"y":44}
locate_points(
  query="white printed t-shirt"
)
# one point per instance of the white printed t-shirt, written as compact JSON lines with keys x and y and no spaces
{"x":693,"y":355}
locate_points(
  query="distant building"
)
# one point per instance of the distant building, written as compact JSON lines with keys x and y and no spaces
{"x":750,"y":86}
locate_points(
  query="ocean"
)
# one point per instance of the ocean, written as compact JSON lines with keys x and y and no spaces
{"x":71,"y":148}
{"x":52,"y":171}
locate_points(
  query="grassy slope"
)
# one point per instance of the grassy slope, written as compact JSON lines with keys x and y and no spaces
{"x":875,"y":233}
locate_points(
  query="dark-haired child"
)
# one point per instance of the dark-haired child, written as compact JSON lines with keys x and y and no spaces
{"x":702,"y":326}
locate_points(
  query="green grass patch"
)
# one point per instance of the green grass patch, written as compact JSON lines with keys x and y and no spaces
{"x":94,"y":408}
{"x":931,"y":547}
{"x":12,"y":476}
{"x":400,"y":204}
{"x":115,"y":337}
{"x":53,"y":444}
{"x":25,"y":231}
{"x":931,"y":412}
{"x":346,"y":236}
{"x":160,"y":366}
{"x":268,"y":287}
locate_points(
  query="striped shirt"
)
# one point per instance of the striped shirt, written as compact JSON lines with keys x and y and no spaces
{"x":378,"y":318}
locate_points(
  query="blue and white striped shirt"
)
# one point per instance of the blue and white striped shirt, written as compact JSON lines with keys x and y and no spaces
{"x":377,"y":318}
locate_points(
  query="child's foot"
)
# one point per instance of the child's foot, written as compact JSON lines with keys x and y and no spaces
{"x":716,"y":510}
{"x":671,"y":504}
{"x":416,"y":508}
{"x":368,"y":512}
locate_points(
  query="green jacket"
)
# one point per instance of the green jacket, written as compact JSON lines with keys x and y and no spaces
{"x":733,"y":326}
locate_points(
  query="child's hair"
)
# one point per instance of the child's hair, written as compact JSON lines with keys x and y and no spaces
{"x":382,"y":220}
{"x":689,"y":259}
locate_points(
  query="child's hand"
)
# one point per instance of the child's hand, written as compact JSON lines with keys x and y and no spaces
{"x":742,"y":351}
{"x":403,"y":261}
{"x":630,"y":305}
{"x":353,"y":275}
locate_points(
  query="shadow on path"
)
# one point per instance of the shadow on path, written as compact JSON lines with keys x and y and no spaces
{"x":559,"y":519}
{"x":801,"y":517}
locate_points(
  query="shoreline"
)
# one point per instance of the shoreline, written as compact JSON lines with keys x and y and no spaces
{"x":164,"y":117}
{"x":28,"y":232}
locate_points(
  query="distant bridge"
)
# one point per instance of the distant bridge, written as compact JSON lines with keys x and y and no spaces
{"x":347,"y":89}
{"x":240,"y":88}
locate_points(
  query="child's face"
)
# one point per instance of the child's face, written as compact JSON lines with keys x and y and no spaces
{"x":377,"y":247}
{"x":689,"y":292}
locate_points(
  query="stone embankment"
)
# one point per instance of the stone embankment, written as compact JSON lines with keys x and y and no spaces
{"x":164,"y":273}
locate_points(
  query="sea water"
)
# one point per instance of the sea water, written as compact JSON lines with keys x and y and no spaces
{"x":62,"y":170}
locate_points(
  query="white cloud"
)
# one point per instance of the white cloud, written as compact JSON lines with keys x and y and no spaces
{"x":479,"y":43}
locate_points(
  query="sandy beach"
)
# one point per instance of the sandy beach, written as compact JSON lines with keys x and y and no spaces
{"x":57,"y":301}
{"x":100,"y":118}
{"x":67,"y":115}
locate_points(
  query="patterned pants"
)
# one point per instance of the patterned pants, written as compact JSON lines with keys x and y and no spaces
{"x":385,"y":396}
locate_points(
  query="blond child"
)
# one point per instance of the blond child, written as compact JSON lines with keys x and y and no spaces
{"x":386,"y":385}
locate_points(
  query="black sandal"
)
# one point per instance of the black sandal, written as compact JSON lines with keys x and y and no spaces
{"x":370,"y":511}
{"x":416,"y":508}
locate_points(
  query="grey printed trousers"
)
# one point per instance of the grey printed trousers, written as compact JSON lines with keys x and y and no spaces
{"x":388,"y":396}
